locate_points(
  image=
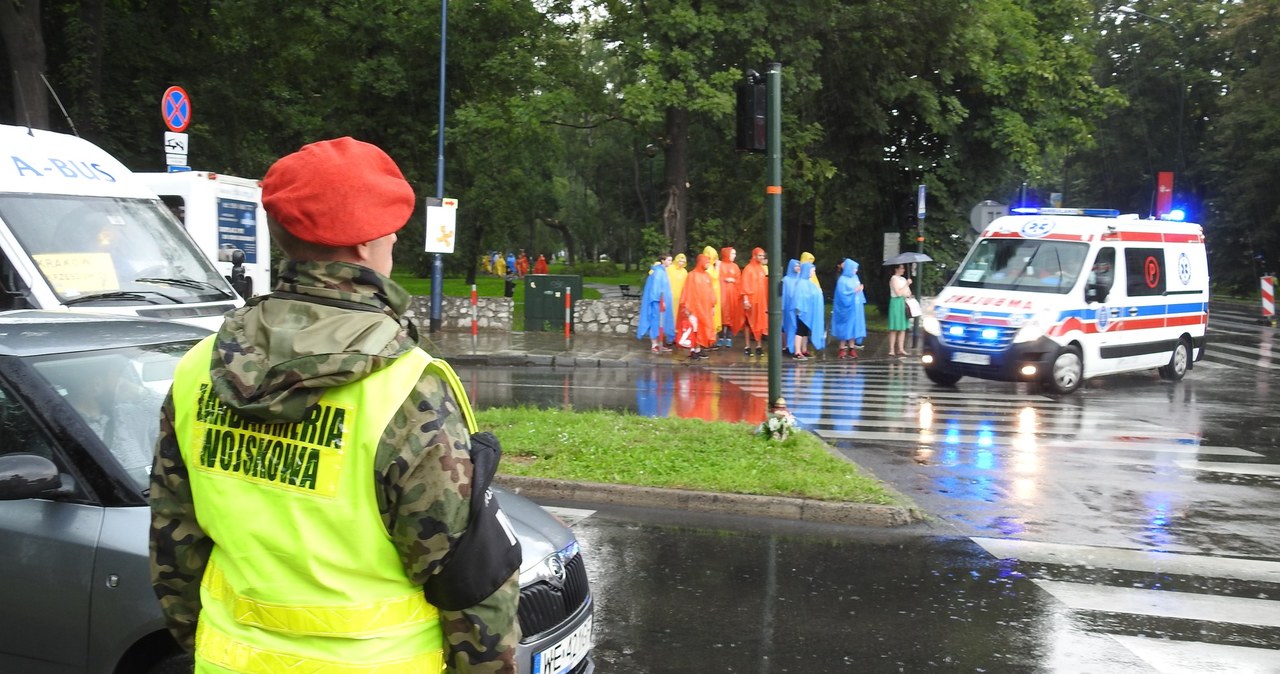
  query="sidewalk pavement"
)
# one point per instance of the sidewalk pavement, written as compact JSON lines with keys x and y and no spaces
{"x":496,"y":348}
{"x":600,"y":350}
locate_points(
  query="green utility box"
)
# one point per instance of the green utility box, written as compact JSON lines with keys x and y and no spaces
{"x":544,"y":296}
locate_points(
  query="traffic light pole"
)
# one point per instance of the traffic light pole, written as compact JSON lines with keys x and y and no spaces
{"x":773,"y":203}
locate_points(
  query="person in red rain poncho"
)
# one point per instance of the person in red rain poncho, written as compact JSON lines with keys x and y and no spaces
{"x":754,"y":289}
{"x":696,"y":317}
{"x":731,"y":316}
{"x":540,"y":267}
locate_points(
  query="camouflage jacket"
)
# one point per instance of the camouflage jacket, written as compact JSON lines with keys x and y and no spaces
{"x":272,"y":360}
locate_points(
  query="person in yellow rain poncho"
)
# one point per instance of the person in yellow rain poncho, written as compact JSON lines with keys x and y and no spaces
{"x":500,"y":266}
{"x":678,"y":271}
{"x":813,"y":275}
{"x":714,"y":273}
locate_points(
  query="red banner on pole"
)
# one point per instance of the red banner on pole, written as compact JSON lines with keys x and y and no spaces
{"x":1164,"y":193}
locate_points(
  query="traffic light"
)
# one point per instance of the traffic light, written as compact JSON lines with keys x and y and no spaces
{"x":752,"y":105}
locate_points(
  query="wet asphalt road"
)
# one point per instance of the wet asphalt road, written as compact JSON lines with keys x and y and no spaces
{"x":1129,"y":527}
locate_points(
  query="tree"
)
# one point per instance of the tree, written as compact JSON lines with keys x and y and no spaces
{"x":23,"y":38}
{"x":1244,"y":240}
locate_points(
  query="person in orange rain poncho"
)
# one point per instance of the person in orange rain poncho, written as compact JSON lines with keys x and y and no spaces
{"x":731,"y":316}
{"x":754,"y":291}
{"x":540,"y":267}
{"x":695,"y":320}
{"x":678,"y":271}
{"x":522,"y":264}
{"x":714,"y":272}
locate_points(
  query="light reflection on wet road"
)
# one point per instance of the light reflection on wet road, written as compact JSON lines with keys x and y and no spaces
{"x":1137,"y":504}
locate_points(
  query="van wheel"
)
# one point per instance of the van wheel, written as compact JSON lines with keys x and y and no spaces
{"x":941,"y":378}
{"x":1178,"y":362}
{"x":1067,"y":371}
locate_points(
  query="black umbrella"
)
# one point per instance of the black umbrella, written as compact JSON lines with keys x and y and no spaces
{"x":907,"y":258}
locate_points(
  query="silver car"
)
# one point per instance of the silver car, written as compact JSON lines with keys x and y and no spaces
{"x":79,"y":413}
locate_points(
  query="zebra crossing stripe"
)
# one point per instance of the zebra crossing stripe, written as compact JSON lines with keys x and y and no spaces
{"x":1235,"y":468}
{"x":1193,"y":657}
{"x":1164,"y":603}
{"x":1126,"y":559}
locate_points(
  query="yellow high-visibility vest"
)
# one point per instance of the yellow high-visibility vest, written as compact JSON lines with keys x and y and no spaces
{"x":303,"y":576}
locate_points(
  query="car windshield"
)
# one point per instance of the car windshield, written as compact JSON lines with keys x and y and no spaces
{"x":118,"y":394}
{"x":1029,"y":265}
{"x":102,"y":246}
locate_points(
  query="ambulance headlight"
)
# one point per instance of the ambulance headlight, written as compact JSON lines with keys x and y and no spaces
{"x":1035,"y":327}
{"x":931,"y":324}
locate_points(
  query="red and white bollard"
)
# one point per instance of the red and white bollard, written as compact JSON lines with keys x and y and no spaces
{"x":568,"y":310}
{"x":474,"y":311}
{"x":1269,"y":299}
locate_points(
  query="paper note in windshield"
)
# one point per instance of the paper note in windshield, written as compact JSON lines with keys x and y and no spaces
{"x":73,"y":274}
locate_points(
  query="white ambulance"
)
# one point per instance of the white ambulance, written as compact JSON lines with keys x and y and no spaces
{"x":79,"y":231}
{"x":1058,"y":296}
{"x":223,"y":214}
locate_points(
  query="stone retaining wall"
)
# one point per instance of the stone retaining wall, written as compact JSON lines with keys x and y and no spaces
{"x":612,"y":316}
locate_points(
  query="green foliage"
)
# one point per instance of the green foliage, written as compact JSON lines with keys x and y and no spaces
{"x":618,"y":448}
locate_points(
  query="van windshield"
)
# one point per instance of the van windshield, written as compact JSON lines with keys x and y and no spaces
{"x":110,"y":248}
{"x":1028,"y":265}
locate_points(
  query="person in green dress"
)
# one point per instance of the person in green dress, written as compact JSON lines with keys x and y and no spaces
{"x":899,"y":291}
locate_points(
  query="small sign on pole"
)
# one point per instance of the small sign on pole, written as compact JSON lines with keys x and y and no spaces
{"x":442,"y":225}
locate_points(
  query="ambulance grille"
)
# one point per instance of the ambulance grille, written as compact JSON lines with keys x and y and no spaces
{"x":971,"y":337}
{"x":543,"y":605}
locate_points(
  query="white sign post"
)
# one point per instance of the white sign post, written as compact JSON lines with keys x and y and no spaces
{"x":442,"y":225}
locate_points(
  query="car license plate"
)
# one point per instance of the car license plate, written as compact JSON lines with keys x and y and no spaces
{"x":971,"y":358}
{"x":566,"y":653}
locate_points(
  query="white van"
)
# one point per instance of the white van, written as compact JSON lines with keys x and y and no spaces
{"x":1058,"y":296}
{"x":222,"y":214}
{"x":79,"y":231}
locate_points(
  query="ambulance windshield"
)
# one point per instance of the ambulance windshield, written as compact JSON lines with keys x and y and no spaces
{"x":108,"y":250}
{"x":1029,"y":265}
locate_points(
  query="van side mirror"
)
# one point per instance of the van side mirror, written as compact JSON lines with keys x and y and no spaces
{"x":1095,"y":292}
{"x":24,"y":476}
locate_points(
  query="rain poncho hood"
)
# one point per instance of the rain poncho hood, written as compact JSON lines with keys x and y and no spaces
{"x":328,"y":324}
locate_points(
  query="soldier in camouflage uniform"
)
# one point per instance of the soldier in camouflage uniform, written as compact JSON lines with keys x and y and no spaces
{"x":334,"y":320}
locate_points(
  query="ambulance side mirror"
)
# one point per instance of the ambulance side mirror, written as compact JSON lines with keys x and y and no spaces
{"x":1095,"y":292}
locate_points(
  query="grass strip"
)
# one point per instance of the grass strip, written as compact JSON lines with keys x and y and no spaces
{"x":621,"y":448}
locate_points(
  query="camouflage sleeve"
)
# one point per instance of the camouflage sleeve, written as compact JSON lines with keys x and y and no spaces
{"x":491,"y":626}
{"x":424,"y":474}
{"x":179,"y":547}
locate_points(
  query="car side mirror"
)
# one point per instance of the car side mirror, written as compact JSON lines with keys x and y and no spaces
{"x":24,"y":476}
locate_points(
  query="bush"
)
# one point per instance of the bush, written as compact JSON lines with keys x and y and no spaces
{"x":592,"y":269}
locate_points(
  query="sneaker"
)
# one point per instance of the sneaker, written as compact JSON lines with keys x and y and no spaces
{"x":760,"y":351}
{"x":728,"y":341}
{"x":747,"y":351}
{"x":859,"y":346}
{"x":664,"y":349}
{"x":844,"y":353}
{"x":654,"y":349}
{"x":800,"y":356}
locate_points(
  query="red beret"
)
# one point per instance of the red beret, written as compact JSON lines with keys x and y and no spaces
{"x":339,"y":192}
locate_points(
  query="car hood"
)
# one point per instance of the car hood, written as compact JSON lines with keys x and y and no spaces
{"x":540,"y":533}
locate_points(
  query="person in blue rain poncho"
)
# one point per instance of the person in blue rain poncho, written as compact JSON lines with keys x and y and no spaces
{"x":848,"y":310}
{"x":657,"y":313}
{"x":789,"y":276}
{"x":810,"y":315}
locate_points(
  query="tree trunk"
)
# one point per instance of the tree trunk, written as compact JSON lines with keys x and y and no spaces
{"x":24,"y":43}
{"x":568,"y":237}
{"x":675,"y":217}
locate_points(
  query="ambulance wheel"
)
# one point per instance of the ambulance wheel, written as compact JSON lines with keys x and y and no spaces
{"x":1178,"y":362}
{"x":941,"y":378}
{"x":1067,"y":371}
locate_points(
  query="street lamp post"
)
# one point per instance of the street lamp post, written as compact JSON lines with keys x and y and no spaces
{"x":1180,"y":160}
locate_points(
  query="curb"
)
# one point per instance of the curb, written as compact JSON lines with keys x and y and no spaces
{"x":777,"y":507}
